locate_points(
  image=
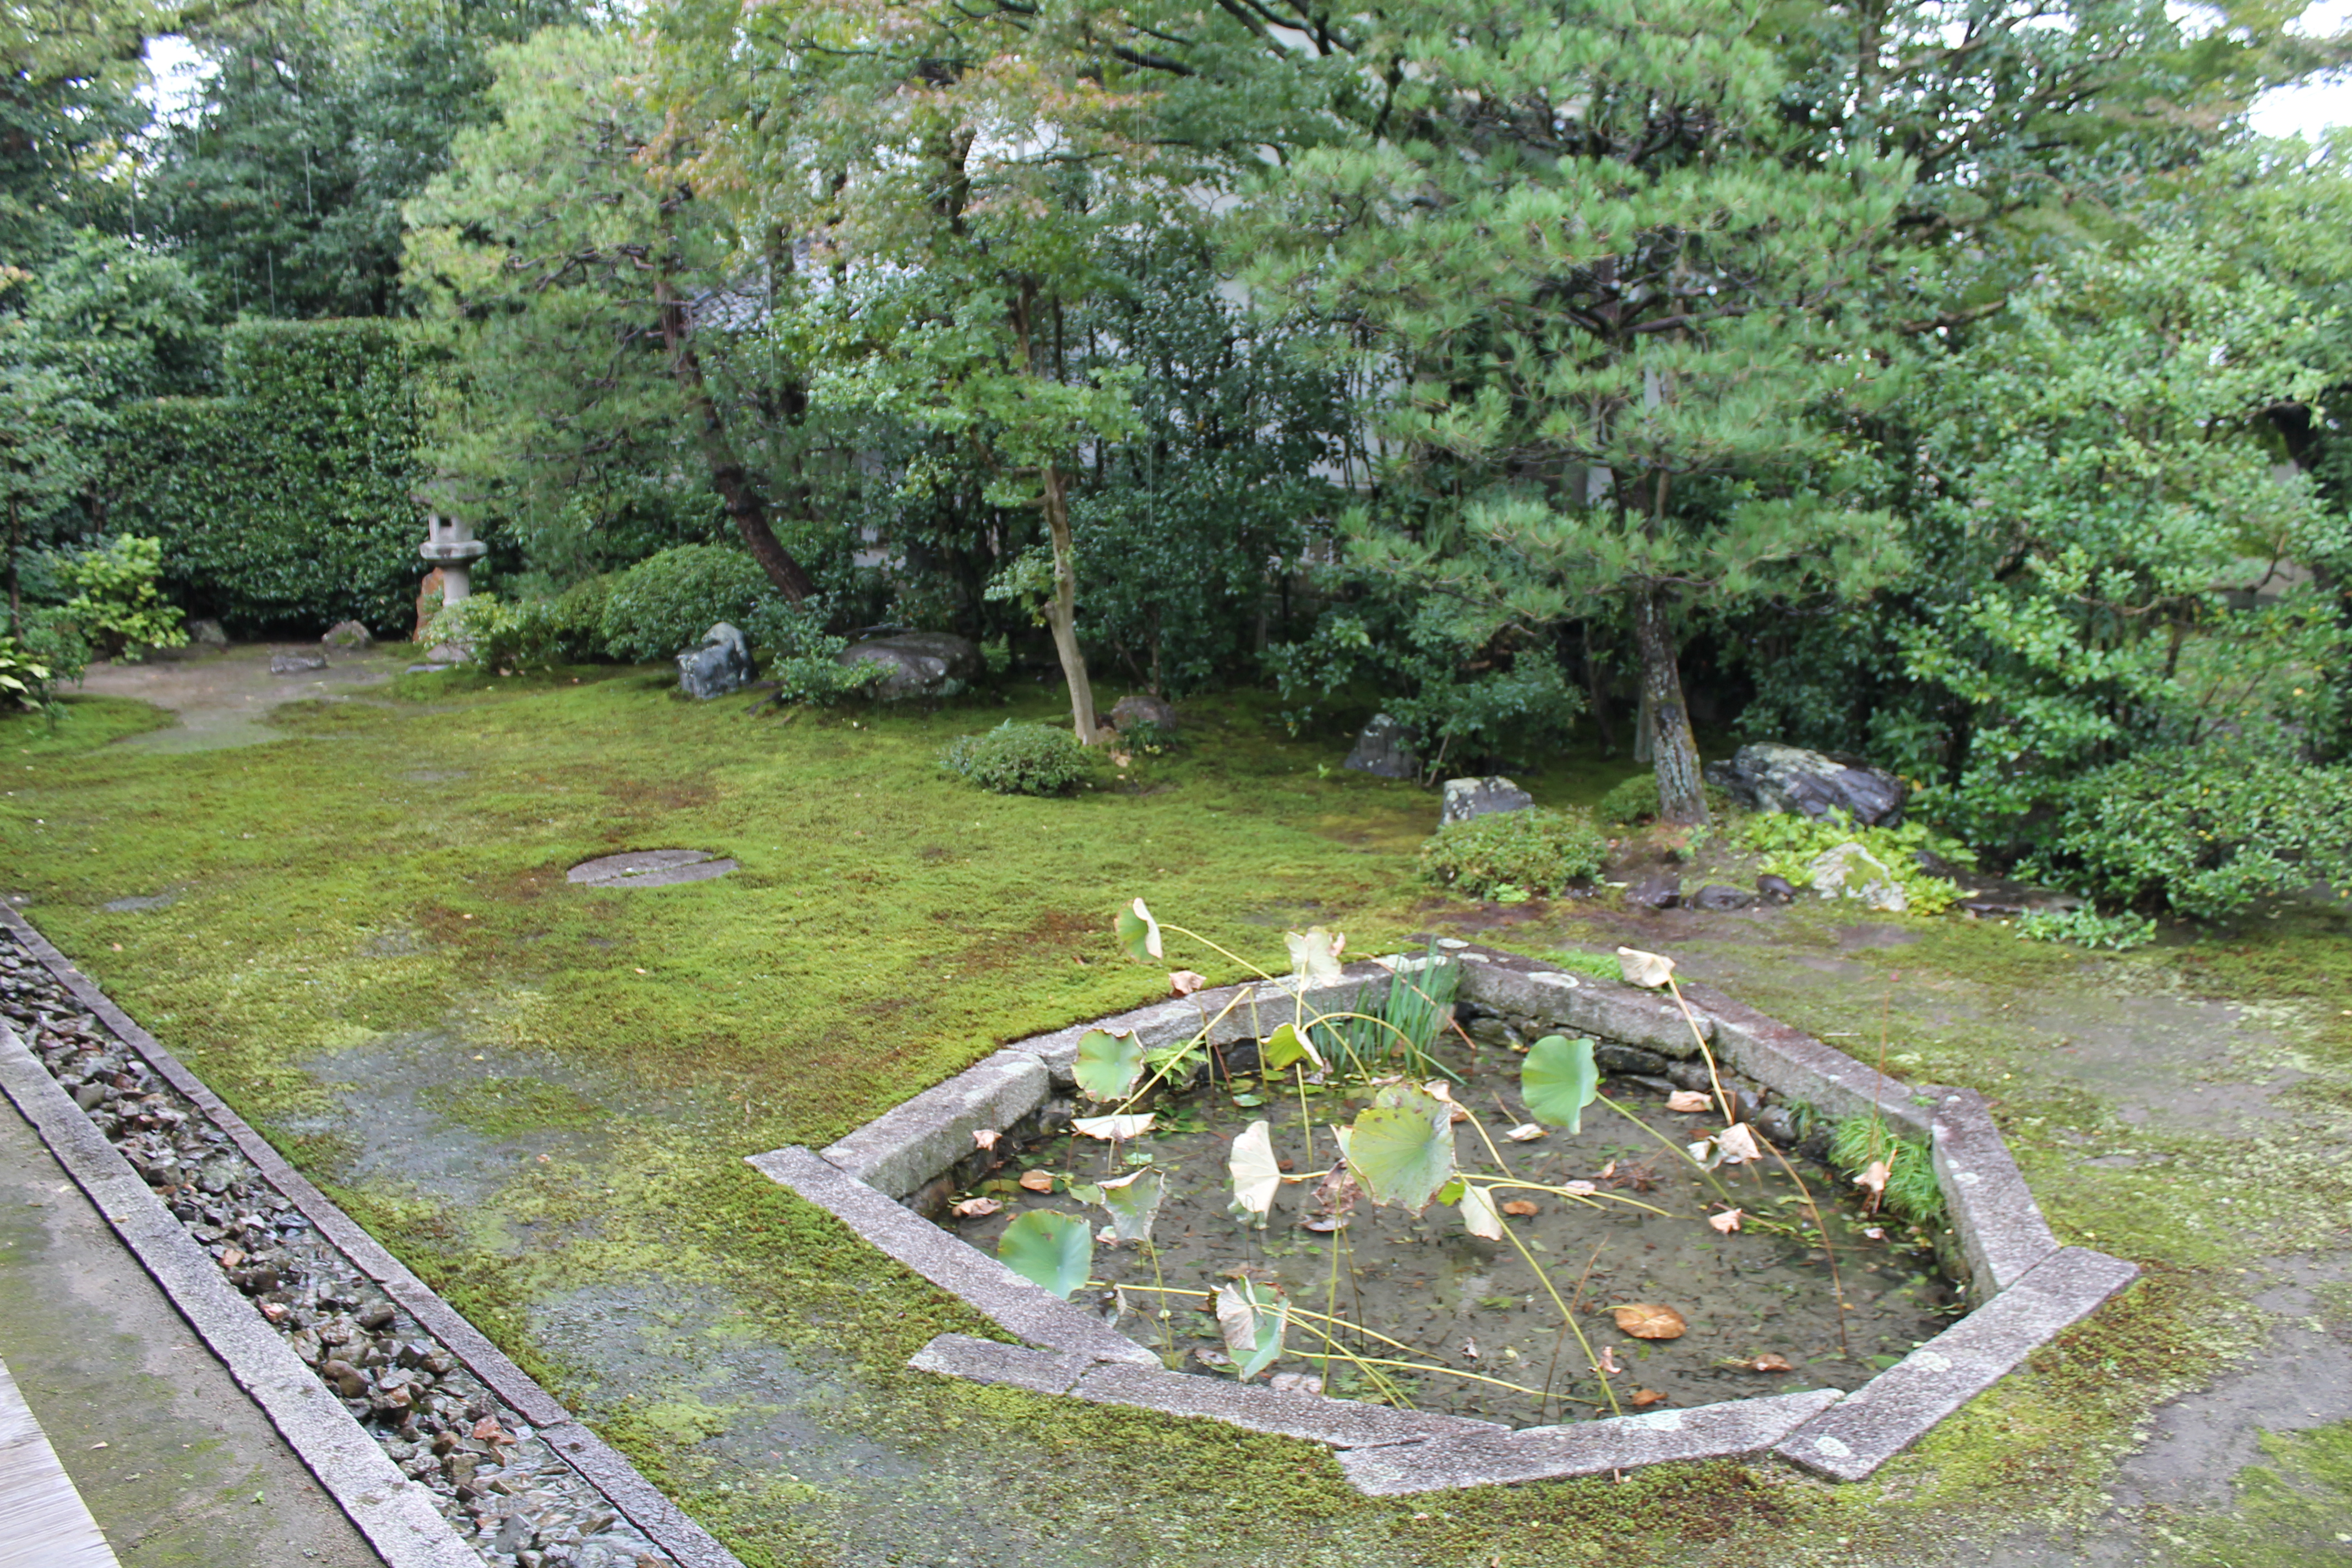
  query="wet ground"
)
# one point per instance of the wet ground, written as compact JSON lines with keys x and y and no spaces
{"x":222,"y":698}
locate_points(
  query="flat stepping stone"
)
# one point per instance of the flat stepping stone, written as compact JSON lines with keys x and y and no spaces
{"x":650,"y":868}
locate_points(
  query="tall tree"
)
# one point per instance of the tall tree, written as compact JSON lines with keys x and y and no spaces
{"x":586,"y":296}
{"x":318,"y":119}
{"x":1619,"y":314}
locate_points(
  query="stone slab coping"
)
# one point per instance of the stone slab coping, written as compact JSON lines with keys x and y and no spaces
{"x":1896,"y":1408}
{"x":44,"y":1524}
{"x":635,"y":1498}
{"x":1733,"y":1430}
{"x":2029,"y":1288}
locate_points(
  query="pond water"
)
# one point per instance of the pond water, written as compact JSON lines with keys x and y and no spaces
{"x":1763,"y":1305}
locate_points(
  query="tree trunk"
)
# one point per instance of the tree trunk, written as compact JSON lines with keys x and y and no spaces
{"x":16,"y":609}
{"x":729,"y":477}
{"x":1682,"y":796}
{"x":1062,"y":610}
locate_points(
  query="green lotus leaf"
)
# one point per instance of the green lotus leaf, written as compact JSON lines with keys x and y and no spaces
{"x":1054,"y":1251}
{"x":1139,"y":932}
{"x":1133,"y":1202}
{"x":1401,"y":1150}
{"x":1109,"y":1064}
{"x":1559,"y":1079}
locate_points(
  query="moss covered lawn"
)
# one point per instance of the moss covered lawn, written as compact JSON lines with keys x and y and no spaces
{"x":538,"y":1094}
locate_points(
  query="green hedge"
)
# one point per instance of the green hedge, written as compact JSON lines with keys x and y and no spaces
{"x":284,"y":505}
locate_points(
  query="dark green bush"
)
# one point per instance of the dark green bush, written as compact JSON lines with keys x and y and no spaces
{"x":1019,"y":758}
{"x":1632,"y":802}
{"x":661,"y":606}
{"x":2205,"y":832}
{"x":287,"y":503}
{"x":1536,"y":851}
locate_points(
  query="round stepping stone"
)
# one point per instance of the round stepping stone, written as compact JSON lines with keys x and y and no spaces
{"x":650,"y":868}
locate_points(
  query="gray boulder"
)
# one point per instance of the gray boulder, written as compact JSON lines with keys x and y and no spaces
{"x":301,"y":661}
{"x":1143,"y":708}
{"x":721,"y":665}
{"x":206,"y":634}
{"x":1853,"y":872}
{"x":1772,"y":777}
{"x":347,"y":634}
{"x":916,"y":664}
{"x":1467,"y":799}
{"x":1384,"y":748}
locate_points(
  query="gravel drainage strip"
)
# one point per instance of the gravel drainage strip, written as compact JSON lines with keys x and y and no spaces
{"x":443,"y":1452}
{"x":2025,"y":1288}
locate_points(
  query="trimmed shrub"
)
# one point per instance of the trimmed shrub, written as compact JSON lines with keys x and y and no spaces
{"x":1632,"y":802}
{"x":1019,"y":758}
{"x":1535,"y":851}
{"x":287,"y":502}
{"x":661,"y":606}
{"x":2204,"y":832}
{"x":115,"y":604}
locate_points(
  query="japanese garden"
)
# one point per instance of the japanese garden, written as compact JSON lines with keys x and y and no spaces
{"x":1001,"y":785}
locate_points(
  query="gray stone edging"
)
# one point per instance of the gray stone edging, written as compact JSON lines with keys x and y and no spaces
{"x":2029,"y":1288}
{"x":1733,"y":1430}
{"x":1038,"y":1316}
{"x":637,"y":1500}
{"x":395,"y":1514}
{"x":1898,"y":1407}
{"x":2001,"y":1226}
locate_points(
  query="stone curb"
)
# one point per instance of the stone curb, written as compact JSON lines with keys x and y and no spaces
{"x":1034,"y":1315}
{"x":1310,"y":1418}
{"x":917,"y":1138}
{"x":660,"y":1520}
{"x":992,"y":1360}
{"x":2001,"y":1228}
{"x":395,"y":1514}
{"x":1728,"y":1430}
{"x":1895,"y":1409}
{"x":1792,"y":1063}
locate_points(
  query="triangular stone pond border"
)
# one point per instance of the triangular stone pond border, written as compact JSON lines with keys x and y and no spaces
{"x":2027,"y":1289}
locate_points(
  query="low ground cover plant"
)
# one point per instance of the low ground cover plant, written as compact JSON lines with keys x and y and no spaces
{"x":1787,"y":845}
{"x":1016,"y":758}
{"x":1537,"y":851}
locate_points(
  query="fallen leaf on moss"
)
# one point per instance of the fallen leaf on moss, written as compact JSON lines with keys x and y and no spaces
{"x":1184,"y":982}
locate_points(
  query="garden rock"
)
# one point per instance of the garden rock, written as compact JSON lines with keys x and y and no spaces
{"x":1658,"y":890}
{"x":347,"y":635}
{"x":1854,"y":872}
{"x":301,"y":662}
{"x":1772,"y":777}
{"x":1717,"y":897}
{"x":1384,"y":749}
{"x":1143,"y":708}
{"x":206,"y":634}
{"x":1467,"y":799}
{"x":721,"y":665}
{"x":916,"y":664}
{"x":1776,"y":889}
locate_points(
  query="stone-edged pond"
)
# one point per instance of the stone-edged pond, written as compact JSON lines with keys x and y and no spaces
{"x":1697,"y":1261}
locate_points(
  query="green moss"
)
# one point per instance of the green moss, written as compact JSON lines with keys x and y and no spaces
{"x":386,"y":888}
{"x":82,"y":723}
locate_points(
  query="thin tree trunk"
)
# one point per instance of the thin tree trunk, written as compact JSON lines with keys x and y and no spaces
{"x":15,"y":537}
{"x":1682,"y":796}
{"x":1062,"y":610}
{"x":745,"y":505}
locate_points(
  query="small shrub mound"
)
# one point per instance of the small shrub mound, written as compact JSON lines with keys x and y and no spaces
{"x":661,"y":606}
{"x":1786,"y":846}
{"x":1632,"y":802}
{"x":1515,"y":853}
{"x":1019,"y":758}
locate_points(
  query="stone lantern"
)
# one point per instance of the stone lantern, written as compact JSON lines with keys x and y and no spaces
{"x":449,"y":543}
